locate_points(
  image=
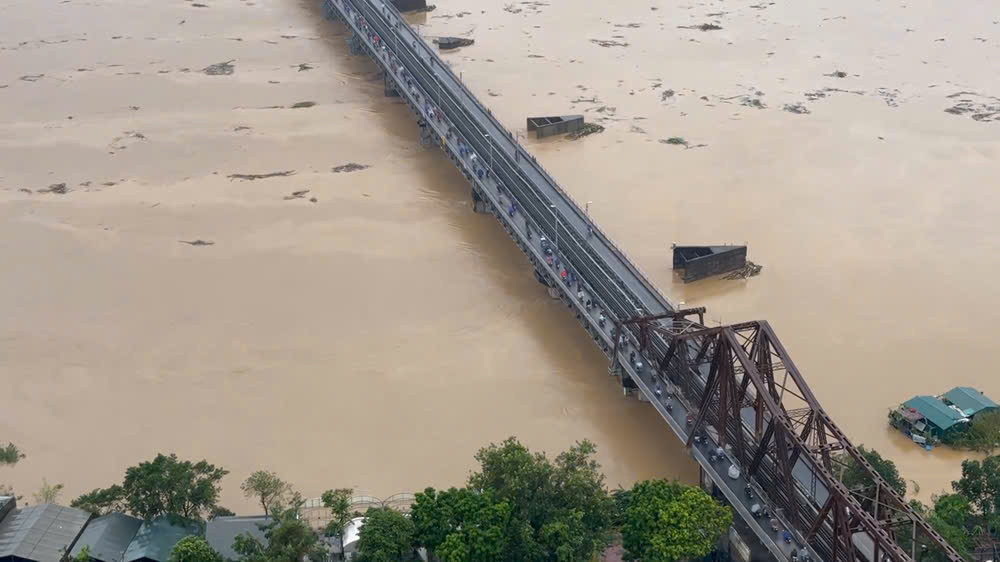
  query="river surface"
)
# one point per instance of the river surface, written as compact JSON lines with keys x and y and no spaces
{"x":377,"y":336}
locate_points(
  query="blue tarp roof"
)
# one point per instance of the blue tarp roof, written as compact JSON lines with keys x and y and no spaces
{"x":970,"y":400}
{"x":934,"y":411}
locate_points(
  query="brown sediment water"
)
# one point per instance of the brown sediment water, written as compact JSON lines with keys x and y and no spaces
{"x":377,"y":336}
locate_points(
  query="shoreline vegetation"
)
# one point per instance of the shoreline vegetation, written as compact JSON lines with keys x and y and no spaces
{"x":518,"y":505}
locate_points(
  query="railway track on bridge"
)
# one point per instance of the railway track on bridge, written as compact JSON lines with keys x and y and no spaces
{"x":731,"y":393}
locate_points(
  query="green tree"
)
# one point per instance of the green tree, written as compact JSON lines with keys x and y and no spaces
{"x":461,"y":525}
{"x":48,"y":493}
{"x":339,"y":503}
{"x":193,"y":549}
{"x":162,"y":486}
{"x":980,"y":484}
{"x":83,"y":555}
{"x":951,"y":516}
{"x":853,"y":475}
{"x":983,"y":434}
{"x":219,"y":511}
{"x":271,"y":491}
{"x":667,"y":521}
{"x":289,"y":539}
{"x":386,"y":536}
{"x":560,"y":510}
{"x":101,"y":501}
{"x":10,"y":454}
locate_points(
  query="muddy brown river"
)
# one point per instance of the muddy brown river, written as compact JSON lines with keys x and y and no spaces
{"x":377,"y":335}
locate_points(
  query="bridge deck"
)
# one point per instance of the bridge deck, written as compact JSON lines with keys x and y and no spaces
{"x":604,"y":274}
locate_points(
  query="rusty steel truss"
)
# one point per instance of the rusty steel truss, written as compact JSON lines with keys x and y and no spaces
{"x":747,"y":395}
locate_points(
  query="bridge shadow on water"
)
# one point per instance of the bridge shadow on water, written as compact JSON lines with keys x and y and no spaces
{"x":633,"y":430}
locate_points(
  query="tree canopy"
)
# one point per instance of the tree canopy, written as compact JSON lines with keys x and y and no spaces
{"x":289,"y":539}
{"x":559,"y":510}
{"x":339,"y":503}
{"x":10,"y":454}
{"x":162,"y":486}
{"x":980,"y":483}
{"x":666,"y":521}
{"x":462,"y":525}
{"x":48,"y":493}
{"x":855,"y":476}
{"x":386,"y":536}
{"x":272,"y":492}
{"x":193,"y":549}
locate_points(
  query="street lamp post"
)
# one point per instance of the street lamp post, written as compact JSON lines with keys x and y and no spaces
{"x":587,"y":208}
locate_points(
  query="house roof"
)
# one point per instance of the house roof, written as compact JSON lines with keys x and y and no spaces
{"x":220,"y":532}
{"x":107,"y":537}
{"x":156,"y":538}
{"x":934,"y":411}
{"x":41,"y":532}
{"x":970,"y":400}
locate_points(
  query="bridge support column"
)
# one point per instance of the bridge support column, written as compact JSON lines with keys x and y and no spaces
{"x":329,"y":12}
{"x":355,"y":45}
{"x":390,"y":86}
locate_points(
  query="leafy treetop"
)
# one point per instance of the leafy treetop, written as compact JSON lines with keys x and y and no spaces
{"x":667,"y":521}
{"x":559,"y":510}
{"x":193,"y":549}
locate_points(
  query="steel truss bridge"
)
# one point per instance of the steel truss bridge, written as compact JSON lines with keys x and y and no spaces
{"x":732,"y":394}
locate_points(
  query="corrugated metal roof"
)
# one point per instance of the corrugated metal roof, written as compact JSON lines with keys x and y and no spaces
{"x":970,"y":400}
{"x":221,"y":531}
{"x":155,"y":539}
{"x":934,"y":411}
{"x":41,"y":533}
{"x":108,"y":537}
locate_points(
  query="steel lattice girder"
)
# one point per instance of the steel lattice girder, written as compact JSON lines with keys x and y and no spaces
{"x":749,"y":368}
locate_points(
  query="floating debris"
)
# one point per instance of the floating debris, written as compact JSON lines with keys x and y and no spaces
{"x":219,"y":68}
{"x":305,"y":66}
{"x":667,"y":94}
{"x":609,"y":43}
{"x":702,"y":27}
{"x":296,"y":195}
{"x":796,"y":108}
{"x":586,"y":130}
{"x":675,"y":141}
{"x":976,"y":109}
{"x":753,"y":102}
{"x":57,"y":188}
{"x":198,"y":242}
{"x":251,"y":177}
{"x":749,"y":270}
{"x":32,"y":77}
{"x":448,"y":43}
{"x":837,"y":74}
{"x":303,"y":104}
{"x":350,"y":167}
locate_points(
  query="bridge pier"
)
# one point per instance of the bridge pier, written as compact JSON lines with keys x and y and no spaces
{"x":355,"y":45}
{"x":389,"y":86}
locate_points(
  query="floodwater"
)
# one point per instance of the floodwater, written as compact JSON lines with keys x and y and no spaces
{"x":378,"y":336}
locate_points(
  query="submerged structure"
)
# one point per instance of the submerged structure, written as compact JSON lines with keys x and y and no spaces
{"x":548,"y":126}
{"x":928,"y":420}
{"x":699,"y":262}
